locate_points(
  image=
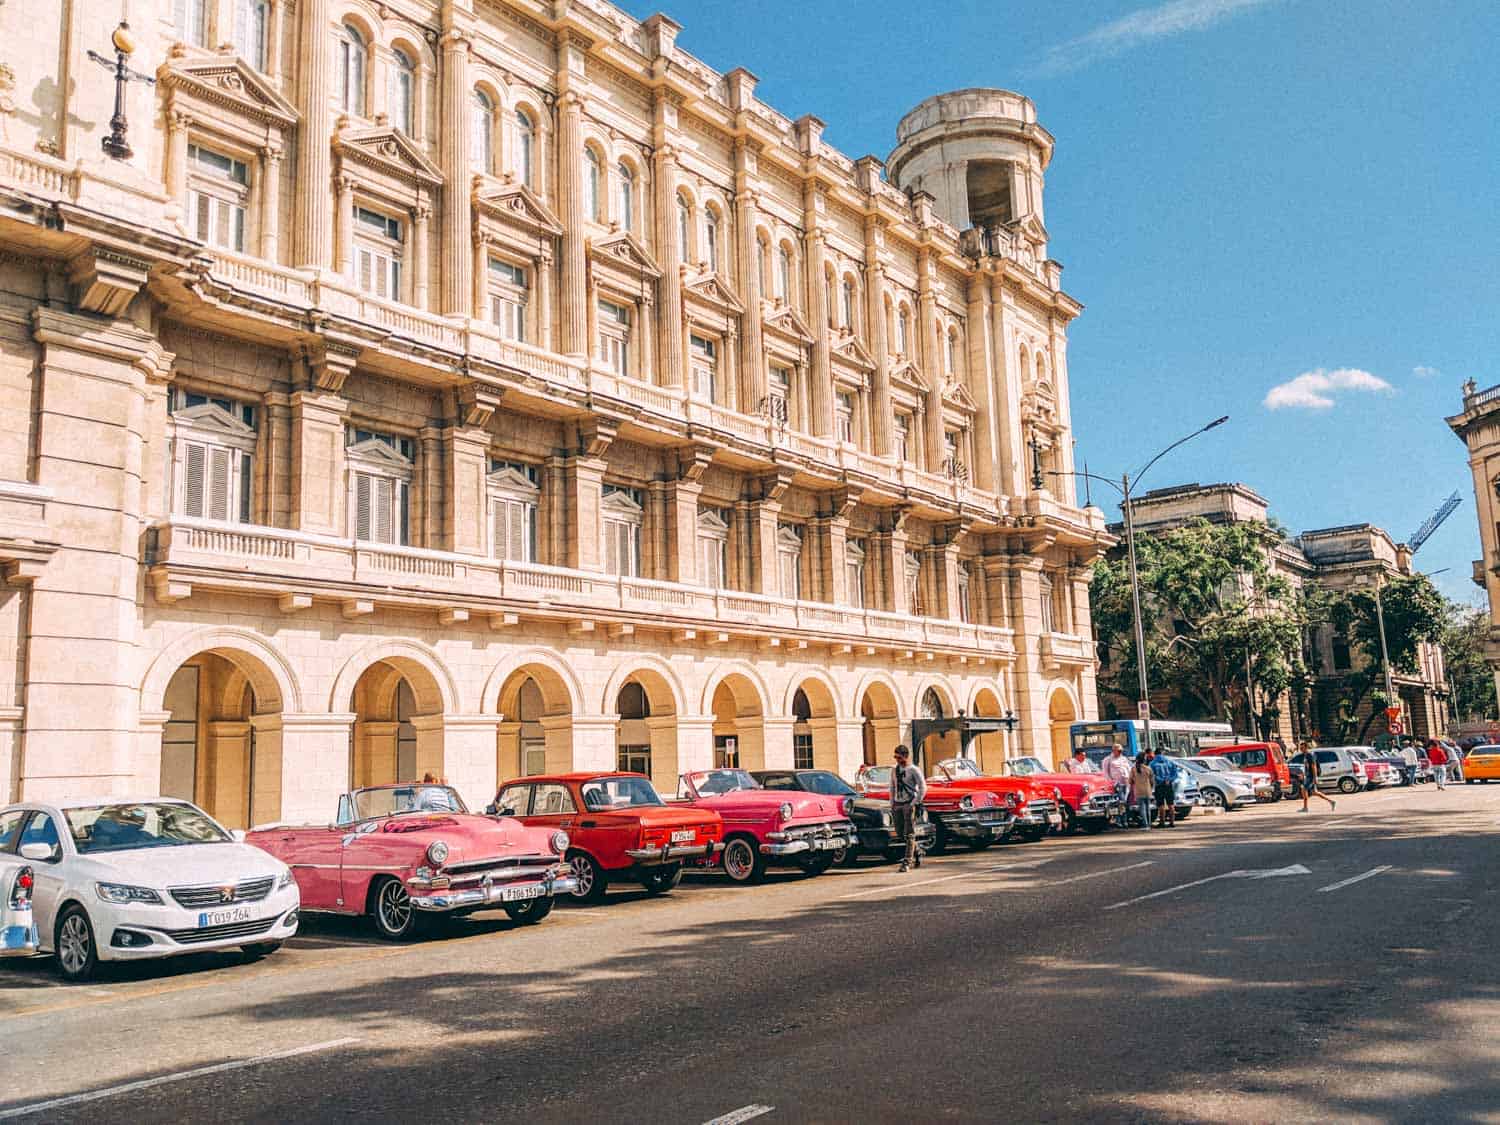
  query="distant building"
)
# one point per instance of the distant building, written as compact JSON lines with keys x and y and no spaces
{"x":1335,"y":558}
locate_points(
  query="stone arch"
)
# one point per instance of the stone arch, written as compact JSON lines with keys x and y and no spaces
{"x":735,"y":696}
{"x":432,"y":683}
{"x":990,"y":750}
{"x":662,"y":684}
{"x":365,"y":19}
{"x":537,"y":696}
{"x":561,"y":690}
{"x":748,"y":681}
{"x":946,"y":745}
{"x":399,"y":693}
{"x":269,"y":672}
{"x":647,"y":743}
{"x":815,"y":731}
{"x":879,"y":705}
{"x":1063,"y":711}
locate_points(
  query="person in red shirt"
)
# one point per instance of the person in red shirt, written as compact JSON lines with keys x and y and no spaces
{"x":1439,"y":759}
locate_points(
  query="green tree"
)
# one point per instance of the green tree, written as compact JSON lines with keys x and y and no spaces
{"x":1469,"y":673}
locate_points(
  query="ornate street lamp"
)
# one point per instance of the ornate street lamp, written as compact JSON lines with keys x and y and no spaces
{"x":116,"y":144}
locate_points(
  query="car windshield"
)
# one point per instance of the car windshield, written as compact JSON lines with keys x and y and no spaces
{"x":828,"y":784}
{"x":876,"y":777}
{"x":1198,"y":765}
{"x":148,"y":824}
{"x":619,"y":793}
{"x":960,"y":767}
{"x":710,"y":783}
{"x":397,"y":800}
{"x":1024,"y":767}
{"x":1485,"y":750}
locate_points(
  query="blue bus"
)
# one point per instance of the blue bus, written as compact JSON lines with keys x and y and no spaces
{"x":1179,"y":739}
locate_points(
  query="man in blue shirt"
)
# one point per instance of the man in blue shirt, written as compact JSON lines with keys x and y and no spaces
{"x":1166,"y":789}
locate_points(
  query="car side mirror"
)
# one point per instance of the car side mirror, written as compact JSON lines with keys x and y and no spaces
{"x":40,"y":853}
{"x":491,"y":810}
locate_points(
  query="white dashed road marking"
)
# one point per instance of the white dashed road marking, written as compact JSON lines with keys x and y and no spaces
{"x":744,"y":1113}
{"x":1357,"y":879}
{"x":1271,"y":873}
{"x":1096,"y":874}
{"x":901,"y":886}
{"x":146,"y":1084}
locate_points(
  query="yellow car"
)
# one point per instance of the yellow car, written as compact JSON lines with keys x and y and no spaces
{"x":1482,"y":764}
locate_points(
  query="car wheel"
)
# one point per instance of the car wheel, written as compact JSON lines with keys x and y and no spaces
{"x":1347,"y":785}
{"x":256,"y":950}
{"x":1214,"y":799}
{"x":743,"y":862}
{"x":530,"y":910}
{"x":1069,"y":824}
{"x":846,"y":857}
{"x":1468,"y":781}
{"x":77,"y":957}
{"x":660,"y":880}
{"x":395,"y":917}
{"x":590,"y":877}
{"x":817,"y":863}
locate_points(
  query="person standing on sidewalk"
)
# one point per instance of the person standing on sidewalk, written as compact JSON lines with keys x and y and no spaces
{"x":1439,"y":759}
{"x":908,"y":787}
{"x":1310,"y":770}
{"x":1165,"y":771}
{"x":1117,"y":769}
{"x":1142,"y":785}
{"x":1410,"y":762}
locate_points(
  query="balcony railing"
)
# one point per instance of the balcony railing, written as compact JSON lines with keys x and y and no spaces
{"x":1064,"y":648}
{"x":1481,"y":398}
{"x":273,"y":561}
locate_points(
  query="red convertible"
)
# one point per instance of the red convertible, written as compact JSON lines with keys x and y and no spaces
{"x":1034,"y":817}
{"x":617,"y":826}
{"x":763,"y":826}
{"x":977,"y":818}
{"x":396,"y":852}
{"x":1085,"y":800}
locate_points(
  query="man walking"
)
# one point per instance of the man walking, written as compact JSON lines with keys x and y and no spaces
{"x":1079,"y":763}
{"x":908,"y":787}
{"x":1117,"y":770}
{"x":1310,"y":770}
{"x":1410,"y":762}
{"x":1165,"y":771}
{"x":1439,"y":759}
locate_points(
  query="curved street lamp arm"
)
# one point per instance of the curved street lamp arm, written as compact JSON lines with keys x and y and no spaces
{"x":1202,"y":430}
{"x":1092,"y":476}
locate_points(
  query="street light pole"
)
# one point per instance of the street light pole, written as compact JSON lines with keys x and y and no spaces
{"x":1385,"y":656}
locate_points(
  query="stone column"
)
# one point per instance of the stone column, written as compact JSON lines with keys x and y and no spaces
{"x":695,"y":746}
{"x":769,"y":740}
{"x":1031,"y":686}
{"x":318,"y":463}
{"x":670,"y":332}
{"x":481,"y":297}
{"x":343,"y":225}
{"x":752,"y":350}
{"x":145,"y":765}
{"x":1011,"y":474}
{"x":593,"y":743}
{"x":270,"y":202}
{"x":570,"y":195}
{"x":583,"y":478}
{"x":1066,"y":486}
{"x":267,"y":769}
{"x":468,"y":760}
{"x":682,"y":530}
{"x":851,"y":747}
{"x":931,"y":351}
{"x":312,"y":243}
{"x":820,"y":391}
{"x":428,"y":491}
{"x":420,"y":214}
{"x":890,"y":547}
{"x":546,"y":334}
{"x":466,"y":465}
{"x":273,"y":41}
{"x":178,"y":123}
{"x":765,"y":575}
{"x":314,"y":766}
{"x":453,"y":158}
{"x":274,"y":473}
{"x":981,"y":383}
{"x":994,"y":572}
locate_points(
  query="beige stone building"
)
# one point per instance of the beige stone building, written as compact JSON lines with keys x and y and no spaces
{"x":488,"y":387}
{"x":1478,"y":427}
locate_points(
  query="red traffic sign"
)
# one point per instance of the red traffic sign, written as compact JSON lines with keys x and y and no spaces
{"x":1393,"y":713}
{"x":1395,"y":727}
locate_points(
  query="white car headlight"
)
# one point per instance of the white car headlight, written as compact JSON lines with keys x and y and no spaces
{"x":786,"y":811}
{"x":437,"y":851}
{"x":122,"y":894}
{"x":966,"y":802}
{"x":287,"y":879}
{"x":560,"y":842}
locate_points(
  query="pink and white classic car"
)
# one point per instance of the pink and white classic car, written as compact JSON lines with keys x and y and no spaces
{"x":764,"y":826}
{"x":396,"y":852}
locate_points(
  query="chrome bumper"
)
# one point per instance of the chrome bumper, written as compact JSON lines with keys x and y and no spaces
{"x":493,"y":894}
{"x":818,"y":843}
{"x":20,"y":937}
{"x":670,"y":853}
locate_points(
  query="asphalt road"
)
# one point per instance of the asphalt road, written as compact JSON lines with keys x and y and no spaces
{"x":1259,"y":966}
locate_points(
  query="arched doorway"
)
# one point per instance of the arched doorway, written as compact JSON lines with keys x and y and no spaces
{"x":535,"y":734}
{"x":881,"y":723}
{"x":1061,"y":714}
{"x":739,"y":724}
{"x":646,"y":733}
{"x":932,"y":705}
{"x":209,"y":743}
{"x":398,"y":724}
{"x":989,"y":749}
{"x":814,"y":727}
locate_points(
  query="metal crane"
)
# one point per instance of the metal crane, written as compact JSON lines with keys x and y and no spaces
{"x":1434,"y":521}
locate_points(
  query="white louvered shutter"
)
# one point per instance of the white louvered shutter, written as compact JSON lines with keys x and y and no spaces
{"x":218,"y":484}
{"x":612,"y":531}
{"x":194,"y":465}
{"x":362,"y":521}
{"x":381,"y":497}
{"x":497,"y":529}
{"x":519,"y":533}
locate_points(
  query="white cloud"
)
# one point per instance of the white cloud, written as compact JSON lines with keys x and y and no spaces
{"x":1146,"y":25}
{"x":1422,"y":371}
{"x":1314,"y":390}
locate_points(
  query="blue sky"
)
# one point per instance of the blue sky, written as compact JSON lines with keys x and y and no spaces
{"x":1243,"y":192}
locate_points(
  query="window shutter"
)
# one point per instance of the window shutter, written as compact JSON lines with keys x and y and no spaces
{"x":497,"y":529}
{"x":237,"y":234}
{"x":218,"y":484}
{"x":365,"y":280}
{"x":246,"y":465}
{"x":201,"y":223}
{"x":395,"y":293}
{"x":381,"y":501}
{"x":362,"y":506}
{"x":192,"y":488}
{"x":519,"y":533}
{"x":612,"y":529}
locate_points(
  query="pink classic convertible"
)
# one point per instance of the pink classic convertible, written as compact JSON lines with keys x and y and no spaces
{"x":396,"y":852}
{"x":763,"y":826}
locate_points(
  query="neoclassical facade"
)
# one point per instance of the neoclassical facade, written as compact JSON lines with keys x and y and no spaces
{"x":492,"y":387}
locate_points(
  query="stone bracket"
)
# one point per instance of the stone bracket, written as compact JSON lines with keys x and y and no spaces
{"x":107,"y":280}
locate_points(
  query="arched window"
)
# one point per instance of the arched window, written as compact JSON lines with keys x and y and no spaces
{"x":525,"y":148}
{"x":402,"y":86}
{"x":952,"y":353}
{"x":351,"y":66}
{"x":762,"y":265}
{"x":684,"y":229}
{"x":903,"y":331}
{"x":250,"y":19}
{"x":784,"y":274}
{"x":848,"y":299}
{"x":593,"y":185}
{"x":833,"y":309}
{"x":711,"y":238}
{"x":481,"y":132}
{"x":625,"y":196}
{"x":932,"y":704}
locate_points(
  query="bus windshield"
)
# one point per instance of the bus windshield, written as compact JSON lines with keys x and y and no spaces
{"x":1178,"y":738}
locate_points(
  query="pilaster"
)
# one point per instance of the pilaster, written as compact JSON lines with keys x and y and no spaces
{"x":454,"y":158}
{"x":318,"y":462}
{"x":315,"y":136}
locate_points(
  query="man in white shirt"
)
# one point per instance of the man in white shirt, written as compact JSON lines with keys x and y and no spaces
{"x":1079,"y":763}
{"x":1117,"y":769}
{"x":1409,"y":756}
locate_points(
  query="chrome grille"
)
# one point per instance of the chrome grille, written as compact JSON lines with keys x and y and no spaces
{"x":497,"y":864}
{"x":229,"y":930}
{"x":1041,"y":805}
{"x":223,"y":894}
{"x":826,"y":829}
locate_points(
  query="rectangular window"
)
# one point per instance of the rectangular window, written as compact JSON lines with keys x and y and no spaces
{"x":802,"y":751}
{"x":843,"y":416}
{"x":1049,"y":618}
{"x":914,"y":583}
{"x":789,"y":562}
{"x":508,"y":298}
{"x":250,"y":31}
{"x":964,"y":613}
{"x":779,"y":395}
{"x":218,"y":194}
{"x":513,"y":529}
{"x":900,"y":435}
{"x":190,"y":20}
{"x":614,"y":337}
{"x":213,"y":451}
{"x":378,"y":250}
{"x":702,"y":356}
{"x":634,"y":759}
{"x":854,"y":573}
{"x":713,"y":549}
{"x":623,"y":516}
{"x":380,"y":514}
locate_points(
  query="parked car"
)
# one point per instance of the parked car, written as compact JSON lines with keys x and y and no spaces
{"x":1220,"y":785}
{"x":1482,"y":763}
{"x":1337,"y":769}
{"x":1084,"y":800}
{"x":405,"y":851}
{"x":1038,"y":811}
{"x":127,"y":880}
{"x":18,"y":932}
{"x":1378,"y":772}
{"x":617,"y":826}
{"x":974,"y":818}
{"x":762,"y":826}
{"x":1257,"y":757}
{"x":871,"y":815}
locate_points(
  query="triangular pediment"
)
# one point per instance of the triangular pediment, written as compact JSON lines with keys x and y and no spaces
{"x":710,"y":521}
{"x":516,"y":203}
{"x":959,"y":396}
{"x":907,"y":375}
{"x":623,"y":249}
{"x":389,"y":150}
{"x":852,"y":351}
{"x":228,"y":81}
{"x":621,"y":503}
{"x":210,"y":419}
{"x":511,"y":480}
{"x":784,"y":319}
{"x":1031,"y":227}
{"x":374,"y":452}
{"x":714,"y":289}
{"x":787,"y":539}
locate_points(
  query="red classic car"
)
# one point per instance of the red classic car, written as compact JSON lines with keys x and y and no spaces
{"x":1085,"y":800}
{"x":977,"y":818}
{"x":763,"y":826}
{"x":396,"y":852}
{"x":617,"y":825}
{"x":1034,"y":817}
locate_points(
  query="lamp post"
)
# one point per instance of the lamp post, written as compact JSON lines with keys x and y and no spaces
{"x":116,"y":144}
{"x":1124,"y":487}
{"x":1385,"y":656}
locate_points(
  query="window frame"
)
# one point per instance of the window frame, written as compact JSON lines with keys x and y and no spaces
{"x":379,"y":459}
{"x":856,"y":556}
{"x":593,"y":186}
{"x":789,"y":543}
{"x":385,"y":251}
{"x":226,"y":435}
{"x":352,"y":70}
{"x":713,"y":549}
{"x":401,"y":92}
{"x":624,"y":195}
{"x":481,"y":131}
{"x":210,"y":187}
{"x":511,"y":494}
{"x":703,"y":365}
{"x":525,"y":134}
{"x":252,"y":23}
{"x":622,"y":515}
{"x":509,"y":292}
{"x":614,"y":335}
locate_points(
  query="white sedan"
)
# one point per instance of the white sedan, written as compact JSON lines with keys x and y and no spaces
{"x":123,"y":880}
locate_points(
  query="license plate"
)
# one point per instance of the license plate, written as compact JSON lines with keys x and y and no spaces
{"x":683,"y":836}
{"x":829,"y":844}
{"x":516,"y":894}
{"x":223,"y":917}
{"x":997,"y":830}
